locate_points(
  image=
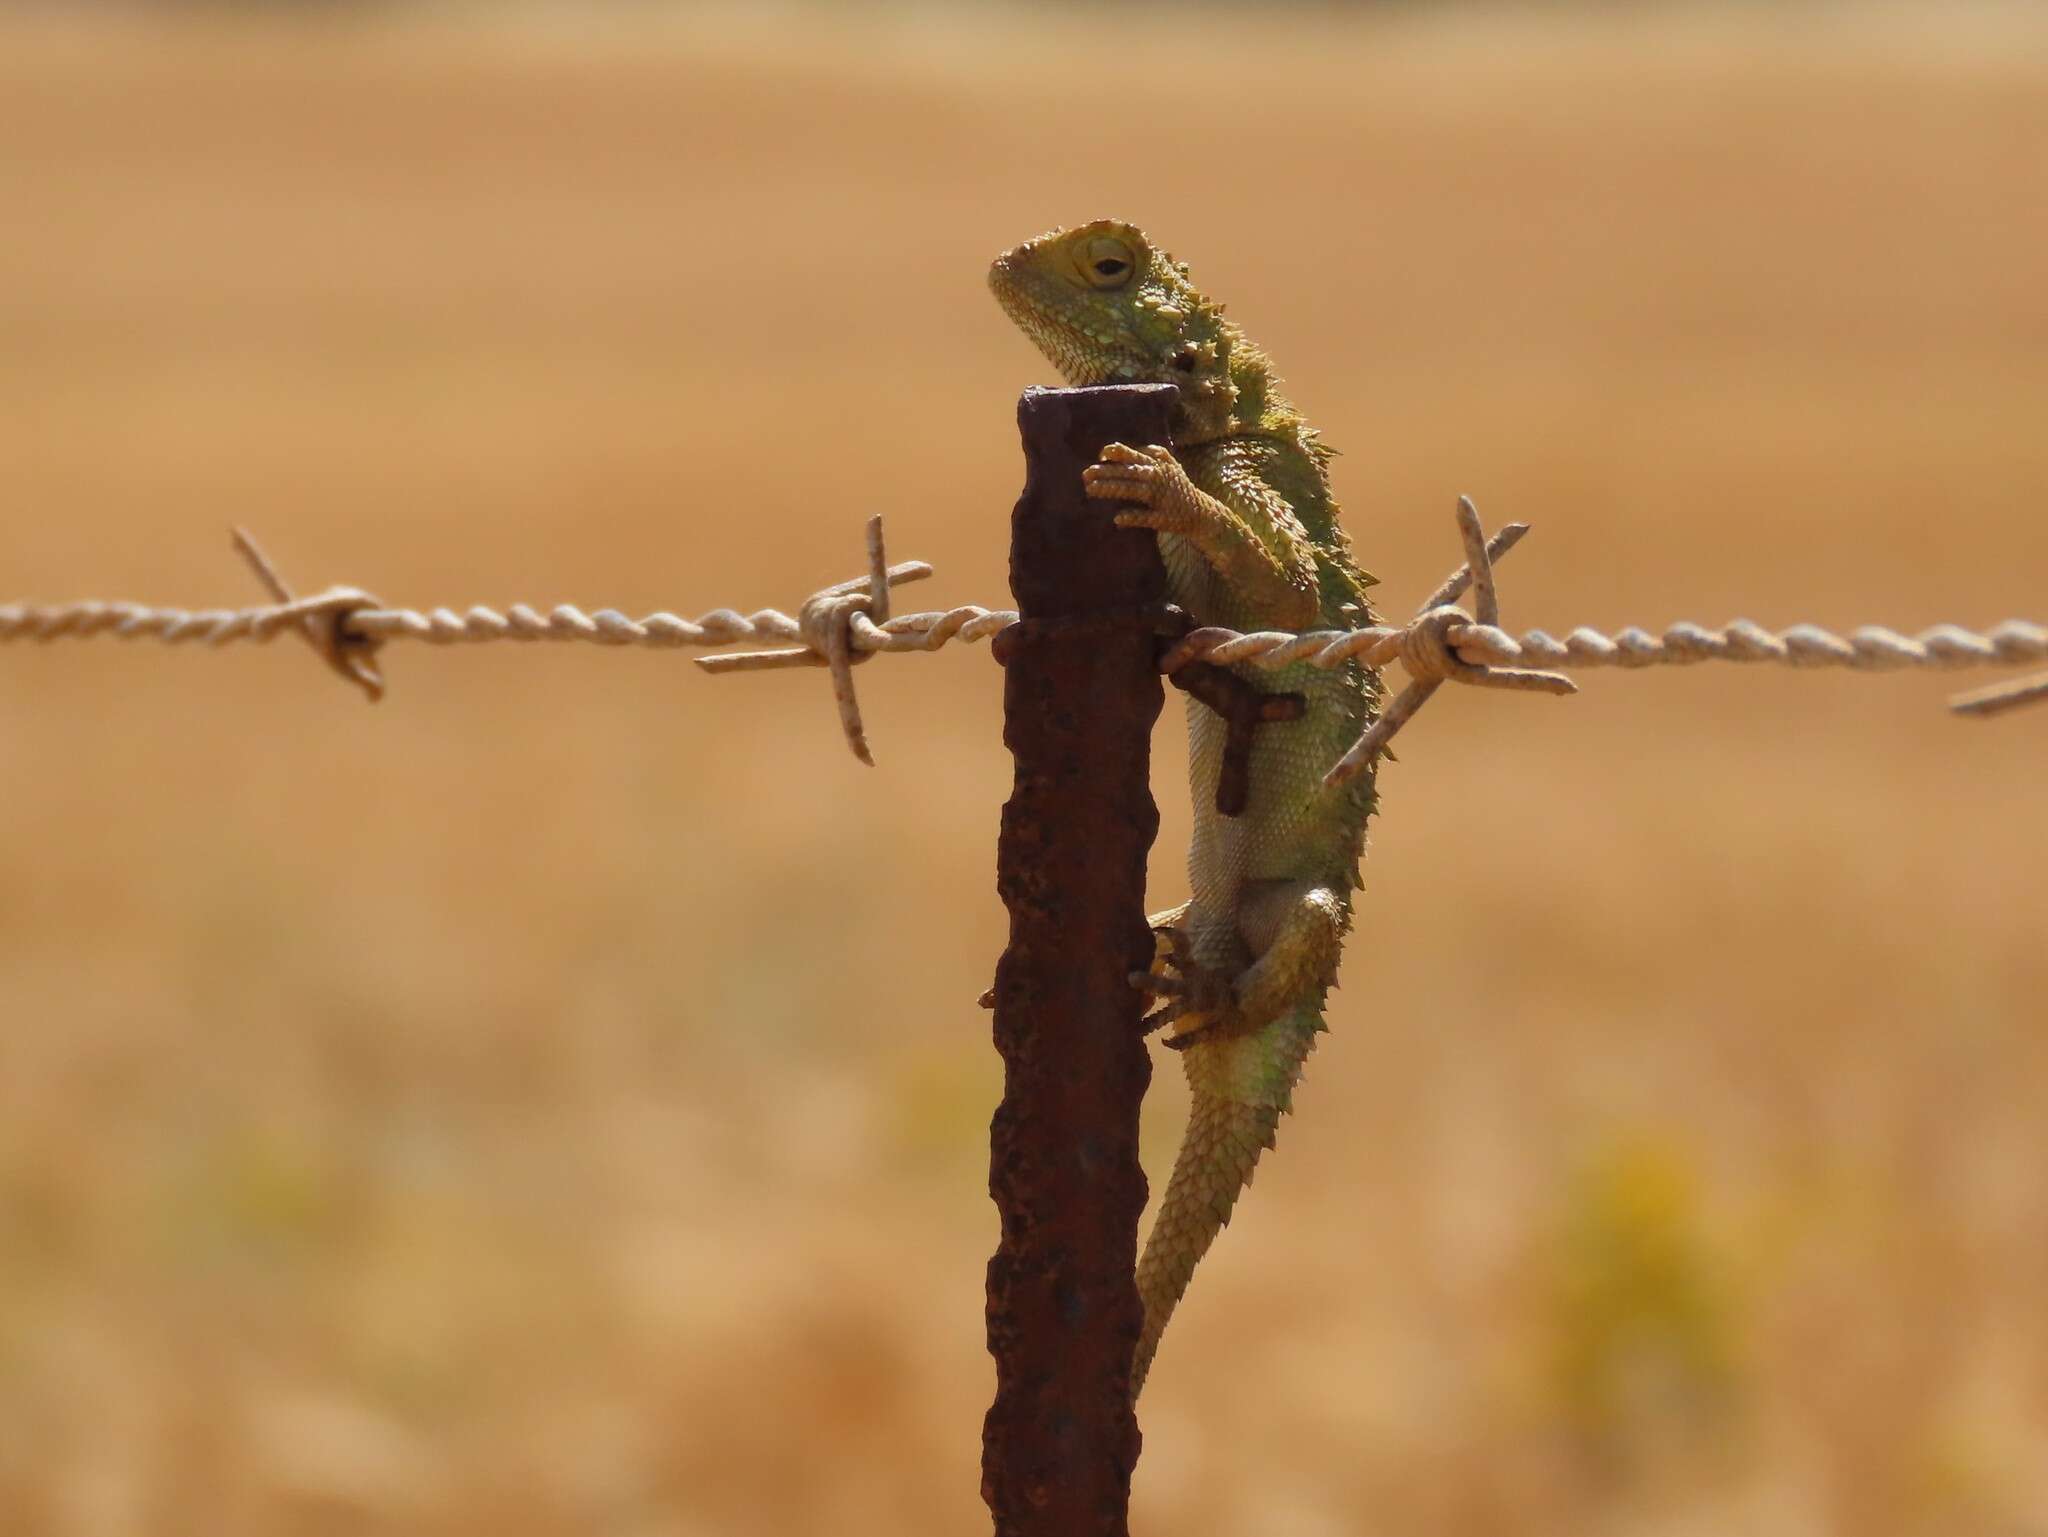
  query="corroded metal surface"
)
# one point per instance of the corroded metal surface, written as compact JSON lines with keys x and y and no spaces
{"x":1079,"y":704}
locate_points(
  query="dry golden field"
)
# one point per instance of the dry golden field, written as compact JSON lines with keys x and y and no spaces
{"x":553,"y":1101}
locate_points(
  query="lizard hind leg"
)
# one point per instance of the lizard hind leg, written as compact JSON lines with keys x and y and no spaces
{"x":1296,"y":931}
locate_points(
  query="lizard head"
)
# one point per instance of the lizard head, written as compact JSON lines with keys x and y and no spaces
{"x":1106,"y":306}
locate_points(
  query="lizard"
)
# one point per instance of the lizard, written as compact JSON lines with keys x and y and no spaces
{"x":1247,"y":526}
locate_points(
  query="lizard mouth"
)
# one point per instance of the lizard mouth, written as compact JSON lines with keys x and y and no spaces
{"x":1082,"y":359}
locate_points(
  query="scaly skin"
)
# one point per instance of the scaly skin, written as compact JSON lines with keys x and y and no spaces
{"x":1249,"y":532}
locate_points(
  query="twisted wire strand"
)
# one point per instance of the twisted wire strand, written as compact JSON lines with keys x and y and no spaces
{"x":142,"y":621}
{"x":849,"y":621}
{"x":1869,"y":648}
{"x":476,"y":625}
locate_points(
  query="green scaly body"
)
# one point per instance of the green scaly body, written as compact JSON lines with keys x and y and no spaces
{"x":1249,"y":532}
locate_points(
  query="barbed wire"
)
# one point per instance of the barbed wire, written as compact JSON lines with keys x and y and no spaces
{"x":846,"y":623}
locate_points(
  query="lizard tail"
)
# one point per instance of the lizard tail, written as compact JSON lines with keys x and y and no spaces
{"x":1240,"y":1088}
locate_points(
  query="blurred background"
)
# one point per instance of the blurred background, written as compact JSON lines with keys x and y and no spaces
{"x":553,"y":1100}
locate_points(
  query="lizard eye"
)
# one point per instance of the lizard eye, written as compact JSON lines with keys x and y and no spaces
{"x":1183,"y":361}
{"x":1106,"y":262}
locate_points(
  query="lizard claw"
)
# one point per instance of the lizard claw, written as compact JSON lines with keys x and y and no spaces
{"x":1123,"y":453}
{"x":1182,"y":1040}
{"x":1158,"y":1019}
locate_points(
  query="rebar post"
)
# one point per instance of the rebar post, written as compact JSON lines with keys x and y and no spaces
{"x":1081,"y":691}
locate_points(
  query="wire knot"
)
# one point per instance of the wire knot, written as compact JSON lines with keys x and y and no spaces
{"x":839,"y":626}
{"x":1425,"y":648}
{"x":323,"y":619}
{"x":349,"y":651}
{"x":825,"y":623}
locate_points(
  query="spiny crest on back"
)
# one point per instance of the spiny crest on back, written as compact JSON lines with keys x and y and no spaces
{"x":1106,"y":307}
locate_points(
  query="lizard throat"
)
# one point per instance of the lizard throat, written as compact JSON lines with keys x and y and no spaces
{"x":1081,"y":358}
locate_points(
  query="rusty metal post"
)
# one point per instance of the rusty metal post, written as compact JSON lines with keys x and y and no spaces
{"x":1081,"y":691}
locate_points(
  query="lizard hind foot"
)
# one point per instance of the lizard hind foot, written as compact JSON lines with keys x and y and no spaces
{"x":1200,"y":1003}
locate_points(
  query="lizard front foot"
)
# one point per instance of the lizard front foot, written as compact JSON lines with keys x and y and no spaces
{"x":1168,"y":501}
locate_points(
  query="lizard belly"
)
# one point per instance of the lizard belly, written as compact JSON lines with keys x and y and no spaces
{"x":1293,"y":826}
{"x":1215,"y":854}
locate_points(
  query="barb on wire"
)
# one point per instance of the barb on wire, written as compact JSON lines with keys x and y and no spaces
{"x":324,"y":620}
{"x":1426,"y":652}
{"x":826,"y":623}
{"x":2000,"y":697}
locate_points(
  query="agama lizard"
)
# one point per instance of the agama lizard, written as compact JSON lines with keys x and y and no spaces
{"x":1248,"y":529}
